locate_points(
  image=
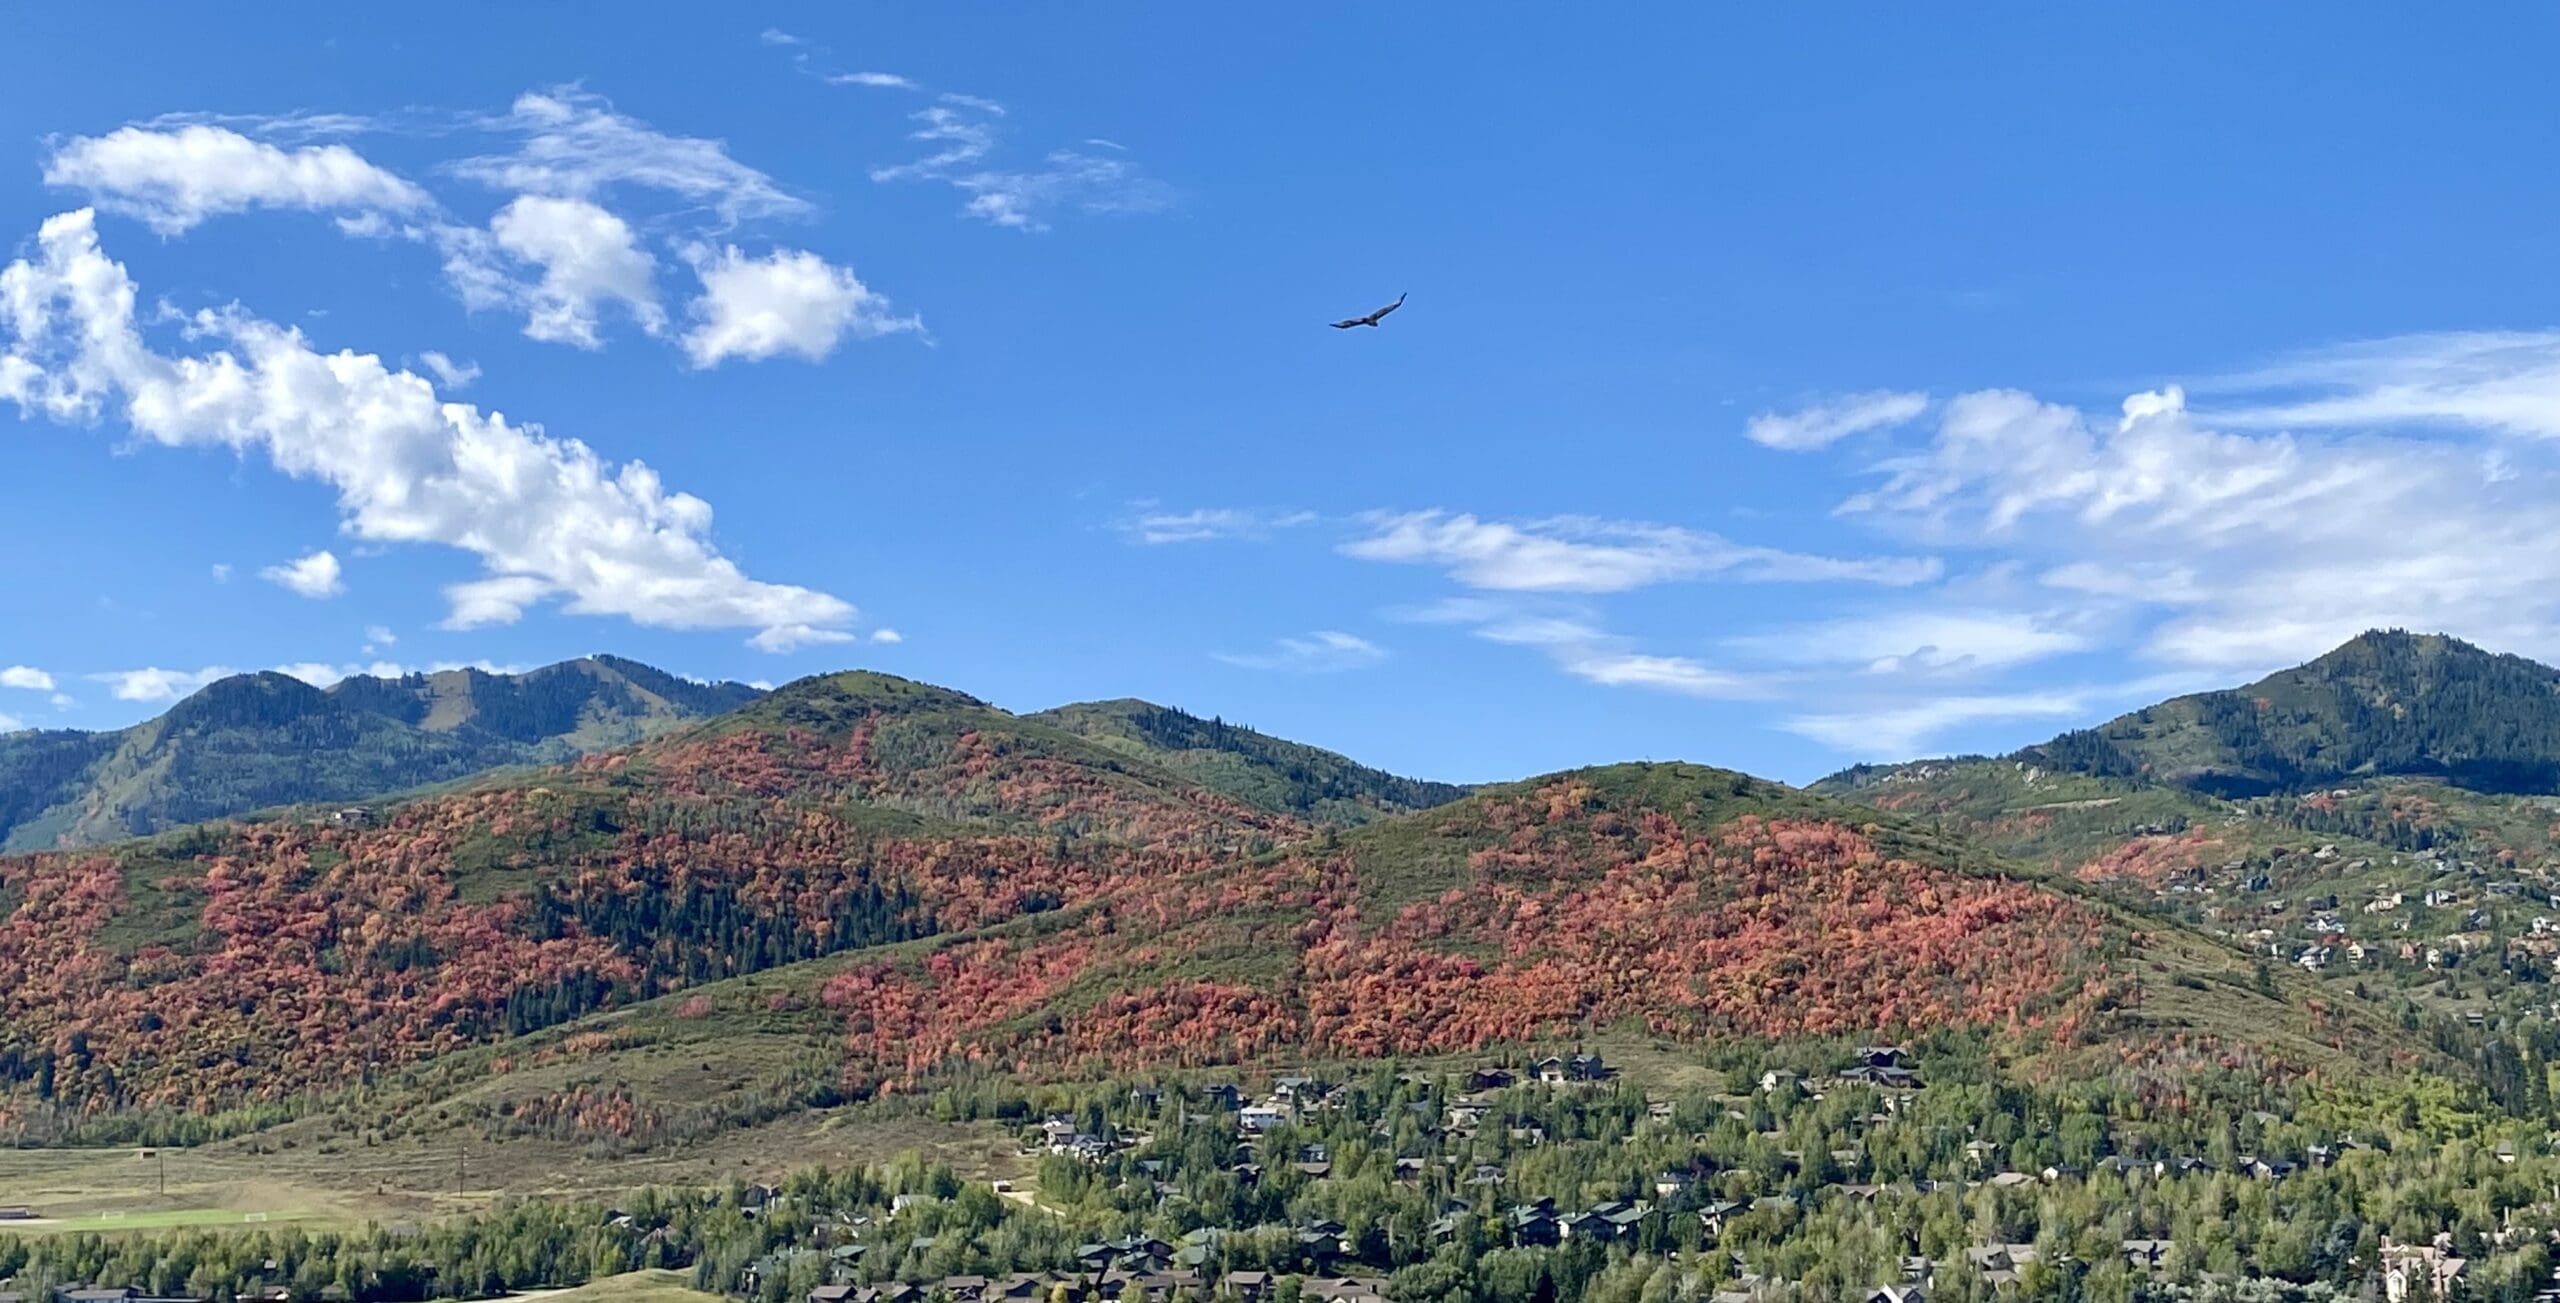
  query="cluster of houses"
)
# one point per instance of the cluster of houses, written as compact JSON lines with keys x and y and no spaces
{"x":1117,"y":1286}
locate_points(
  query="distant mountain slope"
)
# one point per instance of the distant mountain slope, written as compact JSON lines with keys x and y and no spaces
{"x":258,"y":740}
{"x":2385,"y":703}
{"x":1254,"y":767}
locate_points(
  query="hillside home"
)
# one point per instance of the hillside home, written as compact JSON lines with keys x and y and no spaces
{"x":2428,"y":1271}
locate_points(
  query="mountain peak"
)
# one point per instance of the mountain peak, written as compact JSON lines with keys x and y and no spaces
{"x":2385,"y":702}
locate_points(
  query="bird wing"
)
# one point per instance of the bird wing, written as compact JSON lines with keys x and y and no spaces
{"x":1346,"y":325}
{"x":1373,"y":317}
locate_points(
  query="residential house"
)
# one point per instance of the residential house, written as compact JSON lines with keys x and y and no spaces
{"x":2430,"y":1270}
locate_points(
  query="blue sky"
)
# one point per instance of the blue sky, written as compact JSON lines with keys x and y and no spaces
{"x":1774,"y":392}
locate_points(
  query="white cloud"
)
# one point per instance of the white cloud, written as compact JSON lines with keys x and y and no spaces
{"x":574,"y":145}
{"x":882,"y":80}
{"x":1322,"y":652}
{"x":174,"y":179}
{"x":376,"y":637}
{"x":1581,"y":555}
{"x":321,"y":674}
{"x":1586,"y":651}
{"x":449,"y":373}
{"x":1206,"y":523}
{"x":777,"y":36}
{"x":960,"y":132}
{"x":61,"y":701}
{"x":1898,"y":732}
{"x":2506,"y":382}
{"x":316,"y":575}
{"x":1826,"y":423}
{"x":157,"y":684}
{"x":2255,"y":549}
{"x":1926,"y":640}
{"x":546,"y":516}
{"x":221,"y":572}
{"x":11,"y":724}
{"x":790,"y":301}
{"x":792,"y":637}
{"x":588,"y":257}
{"x":891,"y":636}
{"x":26,"y":678}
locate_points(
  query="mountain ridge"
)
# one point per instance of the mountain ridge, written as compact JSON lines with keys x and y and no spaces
{"x":255,"y":740}
{"x":950,"y":888}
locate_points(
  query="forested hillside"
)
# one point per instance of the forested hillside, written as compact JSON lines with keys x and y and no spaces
{"x":2385,"y":703}
{"x":976,"y":887}
{"x":1270,"y":772}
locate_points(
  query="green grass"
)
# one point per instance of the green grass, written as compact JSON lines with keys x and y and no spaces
{"x":160,"y":1220}
{"x":635,"y":1287}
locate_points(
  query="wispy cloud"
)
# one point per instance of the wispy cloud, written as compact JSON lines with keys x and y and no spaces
{"x":1915,"y":640}
{"x":1321,"y":652}
{"x":961,"y":136}
{"x":2506,"y":382}
{"x":1573,"y":554}
{"x":1588,"y":652}
{"x":156,"y":684}
{"x":573,"y":144}
{"x":1828,"y":422}
{"x":1202,"y":524}
{"x":1899,"y":732}
{"x":452,"y":375}
{"x":880,"y":80}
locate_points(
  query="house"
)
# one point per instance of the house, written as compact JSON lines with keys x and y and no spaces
{"x":1671,"y":1185}
{"x":1491,"y":1079}
{"x":2427,"y":1270}
{"x":1535,"y":1224}
{"x":1552,"y":1071}
{"x":1778,"y":1079}
{"x":1223,"y":1094}
{"x":1882,"y":1076}
{"x":1250,"y":1286}
{"x":1258,"y":1118}
{"x":1884,"y":1056}
{"x":1712,"y":1217}
{"x":1895,"y":1294}
{"x":1980,"y":1153}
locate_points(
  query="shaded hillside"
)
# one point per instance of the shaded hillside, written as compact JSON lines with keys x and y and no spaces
{"x":2385,"y":703}
{"x":1255,"y":767}
{"x":960,"y":886}
{"x":259,"y":740}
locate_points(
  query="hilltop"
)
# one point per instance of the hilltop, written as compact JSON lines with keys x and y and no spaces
{"x":2384,"y":703}
{"x":257,"y":740}
{"x":1270,"y":772}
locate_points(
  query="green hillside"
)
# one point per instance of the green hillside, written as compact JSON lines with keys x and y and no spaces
{"x":1270,"y":772}
{"x":258,"y":740}
{"x":2385,"y":703}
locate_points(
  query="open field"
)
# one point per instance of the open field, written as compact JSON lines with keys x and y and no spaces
{"x":630,"y":1287}
{"x":295,"y":1174}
